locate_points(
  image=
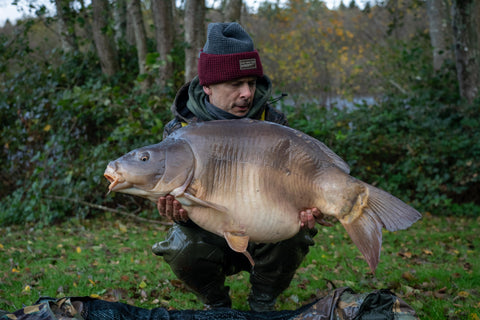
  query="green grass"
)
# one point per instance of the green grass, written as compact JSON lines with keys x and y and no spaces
{"x":433,"y":266}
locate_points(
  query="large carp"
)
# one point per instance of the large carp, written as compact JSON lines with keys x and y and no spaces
{"x":247,"y":180}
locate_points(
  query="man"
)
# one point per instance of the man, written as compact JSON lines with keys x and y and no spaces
{"x":230,"y":85}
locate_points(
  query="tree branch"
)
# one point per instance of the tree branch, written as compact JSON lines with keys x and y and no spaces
{"x":100,"y":207}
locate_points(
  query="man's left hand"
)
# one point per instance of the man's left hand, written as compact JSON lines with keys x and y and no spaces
{"x":310,"y":216}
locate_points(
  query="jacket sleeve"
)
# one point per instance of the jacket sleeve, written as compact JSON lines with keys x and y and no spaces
{"x":170,"y":127}
{"x":274,"y":115}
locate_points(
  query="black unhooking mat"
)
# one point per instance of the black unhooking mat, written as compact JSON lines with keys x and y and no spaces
{"x":340,"y":304}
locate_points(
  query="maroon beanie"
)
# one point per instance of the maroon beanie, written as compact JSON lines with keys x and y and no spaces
{"x":228,"y":54}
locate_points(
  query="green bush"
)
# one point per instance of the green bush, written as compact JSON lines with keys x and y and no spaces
{"x":60,"y":128}
{"x":421,"y":151}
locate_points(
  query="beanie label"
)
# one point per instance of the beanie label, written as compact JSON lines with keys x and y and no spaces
{"x":216,"y":68}
{"x":248,"y":64}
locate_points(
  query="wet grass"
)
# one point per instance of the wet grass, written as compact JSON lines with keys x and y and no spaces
{"x":433,"y":266}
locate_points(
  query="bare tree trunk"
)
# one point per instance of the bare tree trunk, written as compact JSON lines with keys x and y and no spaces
{"x":440,"y":31}
{"x":120,"y":21}
{"x":174,"y":10}
{"x":194,"y":35}
{"x":130,"y":32}
{"x":466,"y":29}
{"x":86,"y":22}
{"x":66,"y":25}
{"x":105,"y":47}
{"x":135,"y":11}
{"x":233,"y":11}
{"x":165,"y":37}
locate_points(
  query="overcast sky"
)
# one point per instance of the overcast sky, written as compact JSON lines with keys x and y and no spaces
{"x":9,"y":11}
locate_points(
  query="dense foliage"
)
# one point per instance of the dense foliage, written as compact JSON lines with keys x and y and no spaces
{"x":422,"y":152}
{"x":62,"y":120}
{"x":61,"y":124}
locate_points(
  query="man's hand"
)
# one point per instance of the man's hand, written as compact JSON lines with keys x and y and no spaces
{"x":171,"y":208}
{"x":309,"y":216}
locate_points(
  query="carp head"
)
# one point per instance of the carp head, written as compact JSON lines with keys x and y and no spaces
{"x":152,"y":171}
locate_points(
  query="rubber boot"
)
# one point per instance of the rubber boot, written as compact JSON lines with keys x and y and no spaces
{"x":197,"y":257}
{"x":275,"y":266}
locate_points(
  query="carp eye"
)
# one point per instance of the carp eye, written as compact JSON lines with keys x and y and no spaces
{"x":144,"y":157}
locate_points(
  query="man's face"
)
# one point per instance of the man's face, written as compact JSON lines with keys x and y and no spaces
{"x":234,"y":96}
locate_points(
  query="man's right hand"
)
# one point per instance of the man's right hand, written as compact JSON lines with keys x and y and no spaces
{"x":171,"y":208}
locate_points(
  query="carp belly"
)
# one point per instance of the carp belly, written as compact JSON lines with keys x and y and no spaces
{"x":260,"y":227}
{"x":260,"y":198}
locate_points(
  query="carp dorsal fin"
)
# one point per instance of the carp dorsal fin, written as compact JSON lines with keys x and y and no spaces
{"x":204,"y":203}
{"x":336,"y":160}
{"x":238,"y":242}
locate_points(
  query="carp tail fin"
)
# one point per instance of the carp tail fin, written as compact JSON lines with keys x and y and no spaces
{"x":366,"y":234}
{"x":376,"y":209}
{"x":392,"y":212}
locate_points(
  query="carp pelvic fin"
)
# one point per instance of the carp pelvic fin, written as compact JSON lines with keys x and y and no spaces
{"x":238,"y":242}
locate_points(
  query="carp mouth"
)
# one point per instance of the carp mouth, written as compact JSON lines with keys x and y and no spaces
{"x":117,"y":182}
{"x":113,"y":181}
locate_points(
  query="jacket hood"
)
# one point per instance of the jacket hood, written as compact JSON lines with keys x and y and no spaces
{"x":190,"y":101}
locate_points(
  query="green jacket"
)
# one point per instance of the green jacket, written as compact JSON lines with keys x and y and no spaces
{"x":189,"y":106}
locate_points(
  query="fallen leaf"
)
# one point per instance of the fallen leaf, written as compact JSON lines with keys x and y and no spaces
{"x":428,"y":252}
{"x":408,"y":290}
{"x":406,"y":254}
{"x":122,"y":227}
{"x":441,"y":293}
{"x":176,"y":283}
{"x":115,"y":295}
{"x":408,"y":276}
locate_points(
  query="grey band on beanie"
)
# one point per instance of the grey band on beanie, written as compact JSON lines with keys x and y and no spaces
{"x":227,"y":38}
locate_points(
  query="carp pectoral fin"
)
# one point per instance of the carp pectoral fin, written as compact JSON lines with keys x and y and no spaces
{"x":180,"y":190}
{"x":204,"y":203}
{"x":238,"y":242}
